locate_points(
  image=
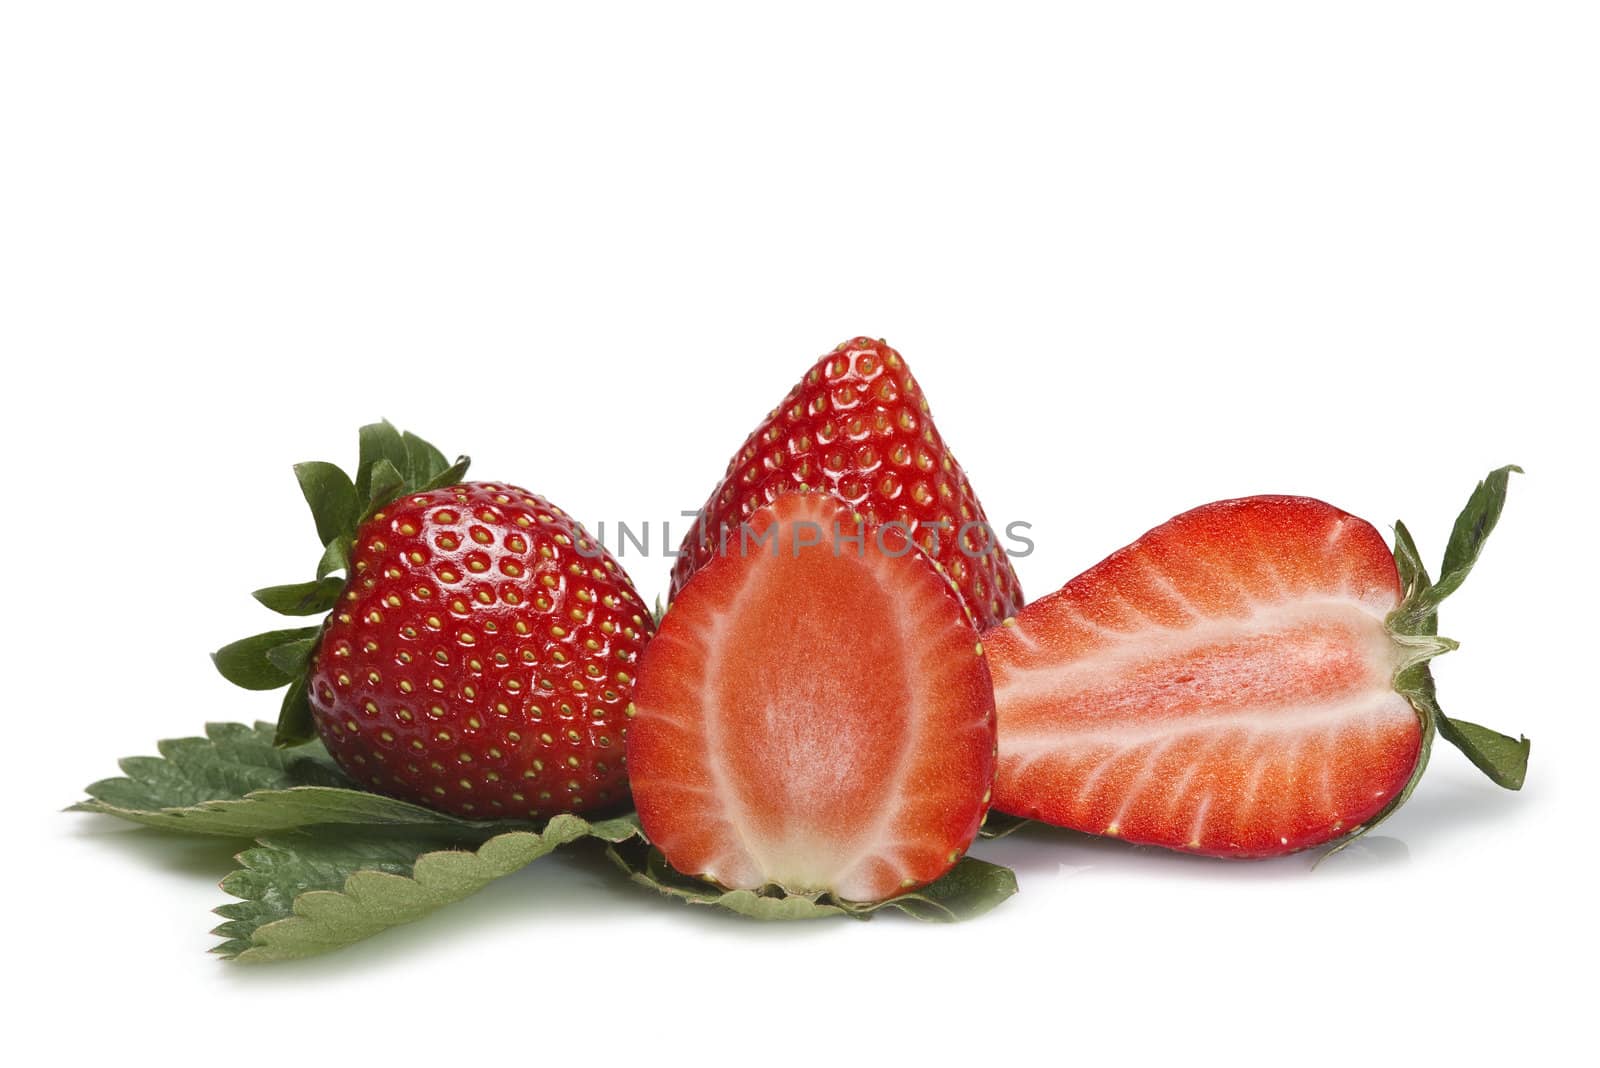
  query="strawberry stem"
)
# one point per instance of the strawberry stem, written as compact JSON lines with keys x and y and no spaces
{"x":1415,"y":629}
{"x":1414,"y":626}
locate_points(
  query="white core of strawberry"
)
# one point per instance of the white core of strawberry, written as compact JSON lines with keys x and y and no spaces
{"x":816,"y":695}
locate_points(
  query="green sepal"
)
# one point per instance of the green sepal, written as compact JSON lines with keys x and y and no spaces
{"x":331,"y":496}
{"x":1413,"y":580}
{"x":379,"y":441}
{"x":387,"y":483}
{"x":291,"y":658}
{"x":1502,"y":758}
{"x":295,"y":723}
{"x":424,"y":463}
{"x":246,"y":662}
{"x":1472,"y":529}
{"x":309,"y":892}
{"x":967,"y":890}
{"x":450,"y":476}
{"x":302,"y":598}
{"x":335,"y":556}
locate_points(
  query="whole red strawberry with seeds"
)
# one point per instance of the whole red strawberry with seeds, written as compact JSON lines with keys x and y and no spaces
{"x":479,"y":659}
{"x":1247,"y":679}
{"x":858,"y":426}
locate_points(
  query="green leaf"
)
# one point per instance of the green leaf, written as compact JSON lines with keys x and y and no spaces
{"x":379,"y":441}
{"x":1503,"y":758}
{"x":336,"y":557}
{"x":331,"y":497}
{"x":302,"y":598}
{"x":450,"y":476}
{"x":232,"y":760}
{"x":245,"y":662}
{"x":970,"y":889}
{"x":295,"y":723}
{"x":323,"y":889}
{"x":387,"y":484}
{"x":423,"y":461}
{"x":269,"y":811}
{"x":237,"y":782}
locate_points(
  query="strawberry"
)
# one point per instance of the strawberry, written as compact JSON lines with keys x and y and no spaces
{"x":815,"y":713}
{"x":479,"y":658}
{"x":857,"y":426}
{"x":1247,"y":679}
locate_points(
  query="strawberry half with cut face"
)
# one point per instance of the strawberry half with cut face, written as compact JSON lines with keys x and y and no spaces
{"x":815,"y":714}
{"x":857,"y":426}
{"x":1247,"y":679}
{"x":480,"y":657}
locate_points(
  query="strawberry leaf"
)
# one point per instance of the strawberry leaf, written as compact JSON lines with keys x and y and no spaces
{"x":313,"y":891}
{"x":229,"y":762}
{"x":1503,"y":758}
{"x":268,"y":811}
{"x":302,"y":598}
{"x":236,"y":782}
{"x":970,"y":889}
{"x":247,"y":662}
{"x":331,"y":496}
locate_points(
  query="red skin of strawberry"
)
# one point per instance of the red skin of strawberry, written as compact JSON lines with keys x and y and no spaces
{"x":820,"y":721}
{"x":857,"y":426}
{"x":479,"y":662}
{"x":1224,"y":685}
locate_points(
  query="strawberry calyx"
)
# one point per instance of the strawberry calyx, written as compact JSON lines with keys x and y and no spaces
{"x":391,"y":464}
{"x":1414,"y":628}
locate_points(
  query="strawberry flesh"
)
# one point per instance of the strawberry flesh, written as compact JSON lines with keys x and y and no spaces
{"x":857,"y":426}
{"x":818,"y":719}
{"x":1224,"y":685}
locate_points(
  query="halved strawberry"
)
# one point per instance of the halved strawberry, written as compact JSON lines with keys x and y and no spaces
{"x":1246,"y":679}
{"x":815,"y":713}
{"x":857,"y":426}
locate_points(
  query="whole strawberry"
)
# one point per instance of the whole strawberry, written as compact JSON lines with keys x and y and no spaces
{"x":857,"y":426}
{"x":479,"y":658}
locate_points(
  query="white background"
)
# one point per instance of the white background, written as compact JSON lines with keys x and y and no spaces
{"x":1140,"y":256}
